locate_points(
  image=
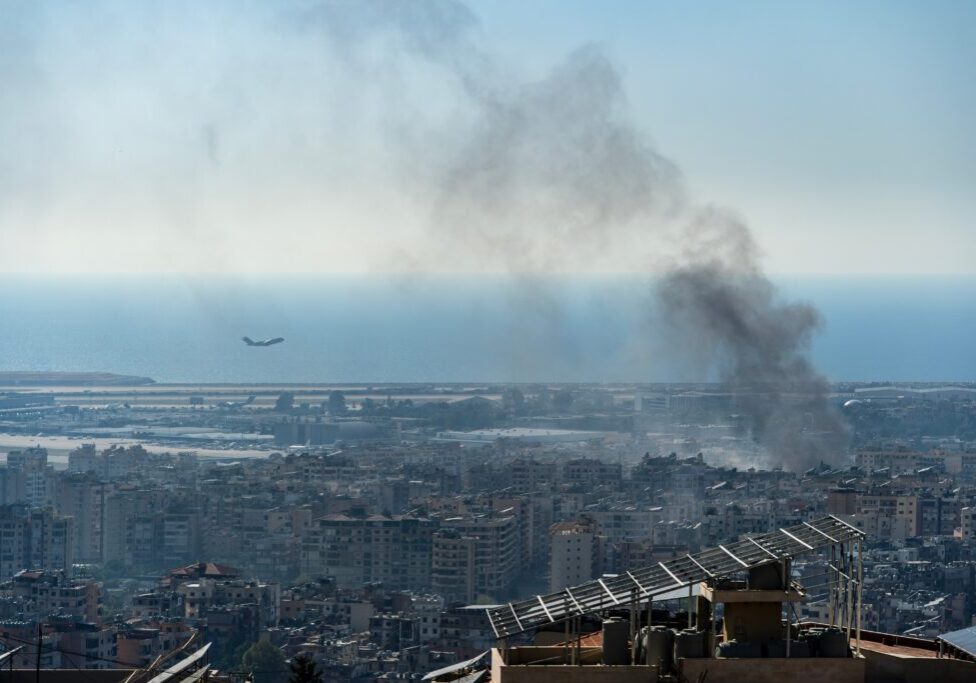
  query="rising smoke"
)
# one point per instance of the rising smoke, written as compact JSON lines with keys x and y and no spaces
{"x":720,"y":307}
{"x":529,"y":176}
{"x":552,"y":176}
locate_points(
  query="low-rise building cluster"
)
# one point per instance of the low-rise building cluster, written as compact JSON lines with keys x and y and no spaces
{"x":379,"y":557}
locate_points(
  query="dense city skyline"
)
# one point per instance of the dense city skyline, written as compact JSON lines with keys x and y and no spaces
{"x":487,"y":341}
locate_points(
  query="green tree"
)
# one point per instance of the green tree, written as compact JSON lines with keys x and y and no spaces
{"x":513,"y":400}
{"x":562,"y":401}
{"x":304,"y":670}
{"x":337,"y":403}
{"x":265,"y":663}
{"x":285,"y":402}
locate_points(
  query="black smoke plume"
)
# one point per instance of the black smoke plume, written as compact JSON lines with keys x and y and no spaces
{"x":722,"y":309}
{"x":552,"y":176}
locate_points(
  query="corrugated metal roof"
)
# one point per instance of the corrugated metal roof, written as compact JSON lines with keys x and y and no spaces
{"x":963,"y":639}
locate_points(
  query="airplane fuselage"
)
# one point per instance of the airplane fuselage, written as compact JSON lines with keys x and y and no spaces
{"x":262,"y":342}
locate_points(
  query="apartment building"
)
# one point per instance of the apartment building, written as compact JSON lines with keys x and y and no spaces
{"x":92,"y":645}
{"x":150,"y":528}
{"x":968,"y":523}
{"x":576,"y":553}
{"x":202,"y":596}
{"x":28,"y":478}
{"x":82,"y":497}
{"x":354,"y":550}
{"x":35,"y":539}
{"x":899,"y":460}
{"x":897,"y":515}
{"x":115,"y":462}
{"x":45,"y":593}
{"x":475,"y":556}
{"x":138,"y":645}
{"x":625,"y":522}
{"x":591,"y":472}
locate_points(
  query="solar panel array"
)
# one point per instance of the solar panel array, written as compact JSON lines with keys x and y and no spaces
{"x":639,"y":585}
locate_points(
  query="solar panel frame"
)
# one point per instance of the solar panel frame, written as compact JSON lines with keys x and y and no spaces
{"x":713,"y":563}
{"x":964,"y":639}
{"x":10,"y":653}
{"x":180,"y":666}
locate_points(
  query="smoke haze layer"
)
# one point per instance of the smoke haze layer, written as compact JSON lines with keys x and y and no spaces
{"x":721,"y":309}
{"x":489,"y":170}
{"x":553,"y":175}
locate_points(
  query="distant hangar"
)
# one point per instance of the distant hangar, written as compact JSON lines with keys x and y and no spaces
{"x":526,"y":435}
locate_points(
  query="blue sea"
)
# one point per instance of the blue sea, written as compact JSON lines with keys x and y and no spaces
{"x":450,"y":329}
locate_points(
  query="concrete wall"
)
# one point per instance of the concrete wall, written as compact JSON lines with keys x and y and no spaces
{"x":548,"y":655}
{"x":65,"y":675}
{"x":816,"y":670}
{"x":561,"y":673}
{"x":576,"y":674}
{"x":753,"y":622}
{"x":887,"y":667}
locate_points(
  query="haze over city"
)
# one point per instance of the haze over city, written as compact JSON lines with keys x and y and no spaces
{"x":355,"y":340}
{"x":257,"y":137}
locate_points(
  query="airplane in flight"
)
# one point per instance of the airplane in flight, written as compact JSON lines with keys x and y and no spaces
{"x":262,"y":342}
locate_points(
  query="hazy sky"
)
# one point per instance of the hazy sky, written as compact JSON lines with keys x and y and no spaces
{"x":314,"y":136}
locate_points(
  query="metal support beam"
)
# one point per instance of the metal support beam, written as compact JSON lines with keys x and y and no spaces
{"x":571,"y":597}
{"x":763,"y":548}
{"x":838,"y":570}
{"x":9,"y":654}
{"x":609,"y":592}
{"x":860,"y":578}
{"x":517,"y":620}
{"x":830,"y":584}
{"x":852,"y":528}
{"x":698,"y":564}
{"x":637,"y":583}
{"x":712,"y":636}
{"x":545,"y":609}
{"x":828,"y":537}
{"x":850,"y":591}
{"x":729,"y":553}
{"x":633,"y":625}
{"x":579,"y":640}
{"x":678,"y":581}
{"x":803,"y":543}
{"x":575,"y":629}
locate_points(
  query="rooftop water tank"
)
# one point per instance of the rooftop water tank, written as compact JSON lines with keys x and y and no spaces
{"x":616,"y":633}
{"x":658,"y":644}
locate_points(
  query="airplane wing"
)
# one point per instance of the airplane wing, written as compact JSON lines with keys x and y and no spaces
{"x":276,"y":340}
